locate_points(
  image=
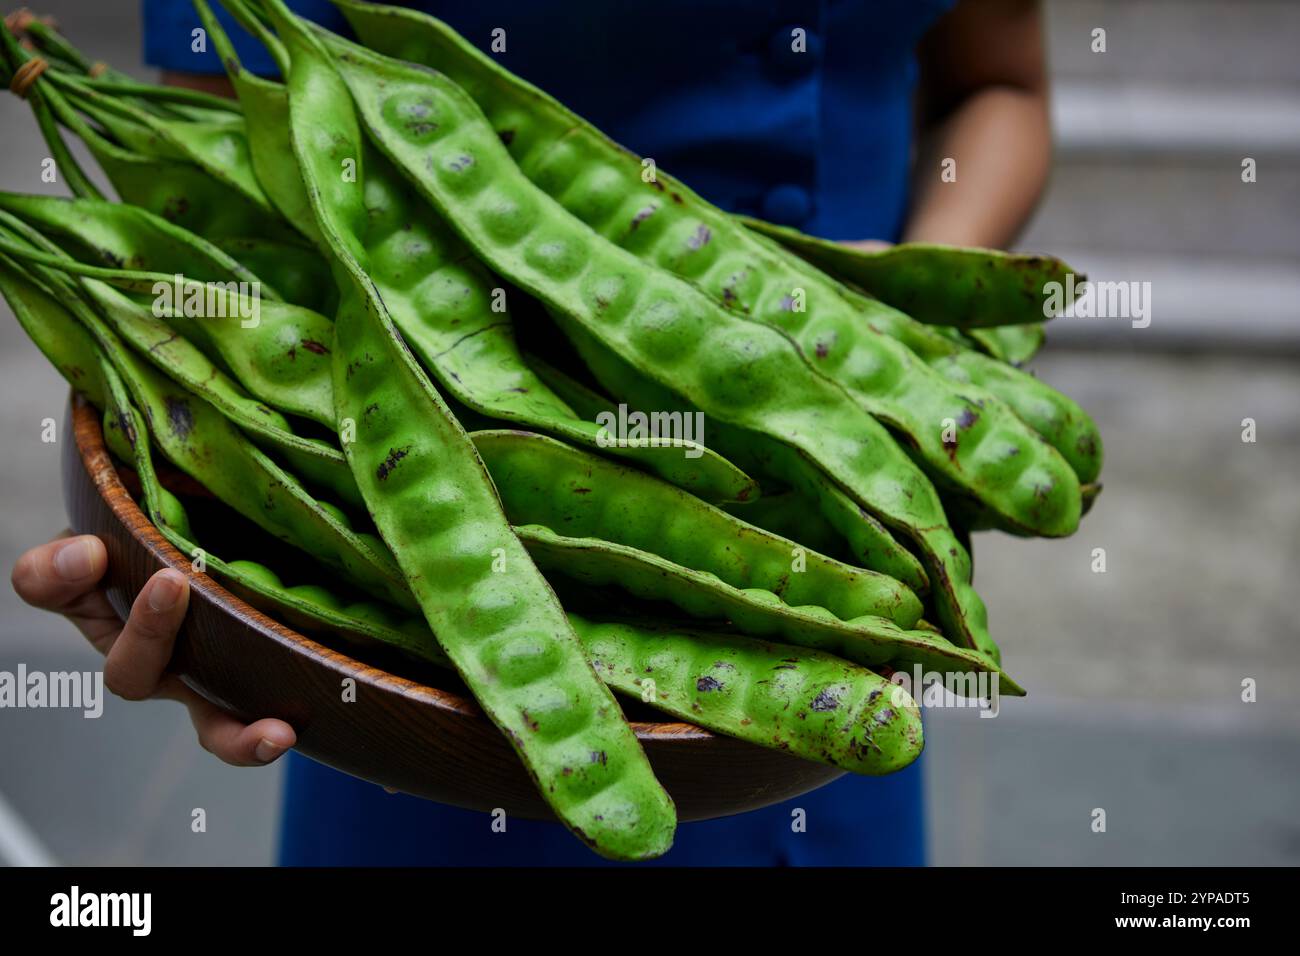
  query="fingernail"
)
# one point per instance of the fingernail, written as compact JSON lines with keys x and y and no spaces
{"x":75,"y":560}
{"x":164,"y":592}
{"x":267,"y":750}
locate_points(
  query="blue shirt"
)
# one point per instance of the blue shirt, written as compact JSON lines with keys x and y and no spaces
{"x":715,"y":92}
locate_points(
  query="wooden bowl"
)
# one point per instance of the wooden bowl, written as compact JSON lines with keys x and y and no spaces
{"x":421,"y":736}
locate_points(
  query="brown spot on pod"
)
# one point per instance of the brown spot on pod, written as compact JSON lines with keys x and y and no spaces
{"x":394,"y":456}
{"x":600,"y":757}
{"x":180,"y":417}
{"x":124,"y":426}
{"x":174,"y":207}
{"x":642,"y":215}
{"x":313,"y":346}
{"x":827,"y":700}
{"x":707,"y":683}
{"x":700,"y":238}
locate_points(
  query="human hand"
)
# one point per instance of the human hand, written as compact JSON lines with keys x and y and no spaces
{"x":868,"y":245}
{"x":63,"y":576}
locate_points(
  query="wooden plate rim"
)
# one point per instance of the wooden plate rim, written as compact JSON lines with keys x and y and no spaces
{"x":89,"y":438}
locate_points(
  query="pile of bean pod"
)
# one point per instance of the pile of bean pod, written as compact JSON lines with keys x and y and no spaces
{"x":452,"y":277}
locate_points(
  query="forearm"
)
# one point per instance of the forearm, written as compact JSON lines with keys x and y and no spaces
{"x":1000,"y":139}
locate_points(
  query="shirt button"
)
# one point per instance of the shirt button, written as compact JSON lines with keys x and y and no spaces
{"x":788,"y":205}
{"x":788,"y":61}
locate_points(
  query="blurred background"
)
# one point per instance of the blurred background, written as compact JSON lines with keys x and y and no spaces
{"x":1135,"y":674}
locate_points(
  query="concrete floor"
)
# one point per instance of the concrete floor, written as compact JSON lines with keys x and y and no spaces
{"x":1134,"y":675}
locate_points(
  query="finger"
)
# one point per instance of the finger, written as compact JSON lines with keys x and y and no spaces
{"x":58,"y":575}
{"x":868,"y":245}
{"x":139,"y":656}
{"x":63,"y":576}
{"x":230,"y":740}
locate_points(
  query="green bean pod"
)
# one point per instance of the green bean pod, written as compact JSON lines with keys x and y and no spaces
{"x":174,"y":355}
{"x":491,"y":610}
{"x":219,"y":148}
{"x":279,"y":352}
{"x":124,"y":236}
{"x":964,"y":435}
{"x":898,"y":502}
{"x":742,"y":373}
{"x":529,"y":121}
{"x":201,"y":442}
{"x":40,"y":311}
{"x":836,"y":523}
{"x":936,"y":284}
{"x":310,"y":608}
{"x":868,"y":640}
{"x":545,"y":482}
{"x":313,"y":608}
{"x":295,"y":270}
{"x":1013,"y":344}
{"x":809,"y":704}
{"x":790,"y":515}
{"x":197,"y":439}
{"x":174,"y":189}
{"x":453,"y":314}
{"x":166,"y":182}
{"x":265,"y":107}
{"x":1058,"y":419}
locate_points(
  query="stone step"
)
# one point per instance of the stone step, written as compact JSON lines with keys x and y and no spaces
{"x":1178,"y":42}
{"x":1138,"y":118}
{"x":1156,"y":207}
{"x":1192,"y":302}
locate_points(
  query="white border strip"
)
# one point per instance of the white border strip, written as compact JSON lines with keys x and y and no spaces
{"x":1144,"y":118}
